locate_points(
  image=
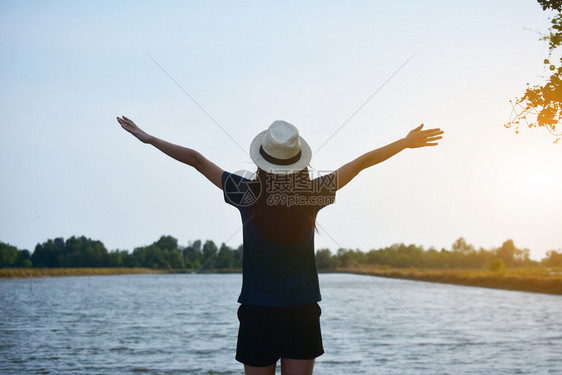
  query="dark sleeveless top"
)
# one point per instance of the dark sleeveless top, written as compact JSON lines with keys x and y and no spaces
{"x":276,"y":274}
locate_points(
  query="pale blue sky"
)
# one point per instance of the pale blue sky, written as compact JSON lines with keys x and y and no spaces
{"x":67,"y":69}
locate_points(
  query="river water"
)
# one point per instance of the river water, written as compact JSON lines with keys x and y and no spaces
{"x":186,"y":324}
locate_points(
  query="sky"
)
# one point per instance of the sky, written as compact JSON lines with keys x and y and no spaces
{"x":68,"y":68}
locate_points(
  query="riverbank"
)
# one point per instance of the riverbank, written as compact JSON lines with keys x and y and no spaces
{"x":536,"y":280}
{"x":24,"y":273}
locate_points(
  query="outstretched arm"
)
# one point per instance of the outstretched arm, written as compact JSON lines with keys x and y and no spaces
{"x":183,"y":154}
{"x":415,"y":139}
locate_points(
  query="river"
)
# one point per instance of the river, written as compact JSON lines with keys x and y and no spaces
{"x":186,"y":324}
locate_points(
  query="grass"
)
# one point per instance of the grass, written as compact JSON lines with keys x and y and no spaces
{"x":537,"y":280}
{"x":13,"y":273}
{"x":24,"y":273}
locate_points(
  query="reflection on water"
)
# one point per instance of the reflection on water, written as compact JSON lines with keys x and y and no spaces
{"x":172,"y":324}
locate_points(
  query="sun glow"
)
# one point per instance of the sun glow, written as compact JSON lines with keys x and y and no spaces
{"x":539,"y":181}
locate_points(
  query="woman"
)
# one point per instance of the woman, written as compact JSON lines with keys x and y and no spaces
{"x":279,"y":314}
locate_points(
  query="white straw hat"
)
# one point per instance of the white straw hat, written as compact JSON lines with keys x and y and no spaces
{"x":280,"y":149}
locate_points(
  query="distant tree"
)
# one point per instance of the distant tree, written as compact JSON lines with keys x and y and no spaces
{"x":96,"y":253}
{"x":507,"y":252}
{"x":324,"y":260}
{"x":115,"y":258}
{"x":461,"y":246}
{"x":512,"y":256}
{"x":225,"y":257}
{"x":24,"y":259}
{"x":83,"y":252}
{"x":162,"y":254}
{"x":553,"y":259}
{"x":167,"y":243}
{"x":127,"y":259}
{"x":431,"y":259}
{"x":344,"y":258}
{"x":48,"y":253}
{"x":150,"y":256}
{"x":210,"y":254}
{"x":411,"y":255}
{"x":8,"y":255}
{"x":192,"y":255}
{"x":174,"y":259}
{"x":542,"y":105}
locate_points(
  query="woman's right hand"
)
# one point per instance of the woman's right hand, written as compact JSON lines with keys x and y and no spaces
{"x":132,"y":128}
{"x":421,"y":138}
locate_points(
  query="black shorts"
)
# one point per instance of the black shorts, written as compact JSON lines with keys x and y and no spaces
{"x":269,"y":333}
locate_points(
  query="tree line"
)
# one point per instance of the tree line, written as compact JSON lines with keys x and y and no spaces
{"x":461,"y":255}
{"x":85,"y":252}
{"x":165,"y":253}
